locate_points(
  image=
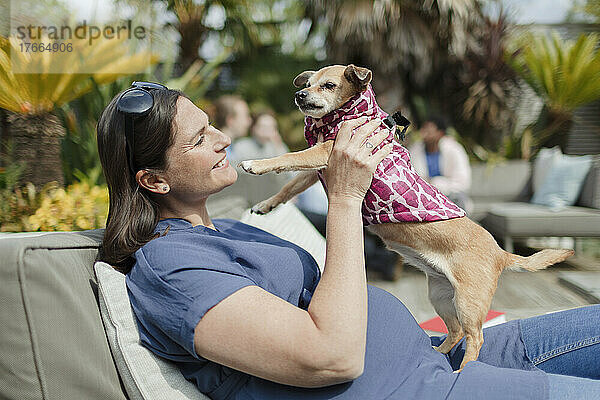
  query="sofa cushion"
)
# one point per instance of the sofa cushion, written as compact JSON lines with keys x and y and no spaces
{"x":506,"y":181}
{"x":563,"y":183}
{"x":525,"y":220}
{"x":52,"y":342}
{"x":145,"y":375}
{"x":590,"y":194}
{"x":542,"y":164}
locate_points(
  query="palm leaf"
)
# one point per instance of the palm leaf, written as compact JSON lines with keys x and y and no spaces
{"x":55,"y":78}
{"x":566,"y":74}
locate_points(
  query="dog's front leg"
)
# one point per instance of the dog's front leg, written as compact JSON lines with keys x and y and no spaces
{"x":299,"y":184}
{"x":315,"y":157}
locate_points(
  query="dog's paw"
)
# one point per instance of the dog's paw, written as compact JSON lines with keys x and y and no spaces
{"x":441,"y":349}
{"x":246,"y":166}
{"x":264,"y":207}
{"x":253,"y":167}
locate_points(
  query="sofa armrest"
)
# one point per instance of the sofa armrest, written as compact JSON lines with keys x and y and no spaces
{"x":590,"y":193}
{"x":52,"y":341}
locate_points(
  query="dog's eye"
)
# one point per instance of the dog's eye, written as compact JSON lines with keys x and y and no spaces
{"x":329,"y":85}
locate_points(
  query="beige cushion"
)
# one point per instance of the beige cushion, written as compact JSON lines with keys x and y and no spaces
{"x":145,"y":375}
{"x":526,"y":220}
{"x":52,"y":342}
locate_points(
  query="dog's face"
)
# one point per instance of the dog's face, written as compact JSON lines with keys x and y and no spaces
{"x":329,"y":88}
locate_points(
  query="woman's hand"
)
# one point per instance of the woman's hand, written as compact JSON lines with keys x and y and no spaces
{"x":353,"y":160}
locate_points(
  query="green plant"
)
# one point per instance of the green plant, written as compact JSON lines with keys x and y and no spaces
{"x":16,"y":205}
{"x":80,"y":206}
{"x":32,"y":97}
{"x":565,"y":74}
{"x":194,"y":28}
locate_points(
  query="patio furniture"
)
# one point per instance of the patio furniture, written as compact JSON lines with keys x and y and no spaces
{"x":53,"y":344}
{"x":501,"y":197}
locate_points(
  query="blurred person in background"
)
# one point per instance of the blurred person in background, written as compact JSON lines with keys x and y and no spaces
{"x":264,"y":140}
{"x":232,"y":117}
{"x":443,"y":162}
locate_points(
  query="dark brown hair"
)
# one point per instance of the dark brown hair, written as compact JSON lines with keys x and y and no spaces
{"x":133,"y":211}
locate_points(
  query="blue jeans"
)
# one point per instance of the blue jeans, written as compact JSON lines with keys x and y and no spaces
{"x":565,"y":345}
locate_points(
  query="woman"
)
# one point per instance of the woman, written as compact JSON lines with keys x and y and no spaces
{"x":246,"y":315}
{"x":264,"y":140}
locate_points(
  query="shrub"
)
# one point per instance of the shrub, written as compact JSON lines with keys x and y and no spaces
{"x":16,"y":205}
{"x":78,"y":207}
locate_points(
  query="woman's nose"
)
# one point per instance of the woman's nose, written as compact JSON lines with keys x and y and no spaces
{"x":222,"y":140}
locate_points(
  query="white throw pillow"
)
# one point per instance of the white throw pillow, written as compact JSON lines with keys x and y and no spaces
{"x":562,"y":184}
{"x":145,"y":375}
{"x":543,"y":163}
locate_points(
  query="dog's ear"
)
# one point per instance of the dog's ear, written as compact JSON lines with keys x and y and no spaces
{"x":301,"y":79}
{"x":358,"y":75}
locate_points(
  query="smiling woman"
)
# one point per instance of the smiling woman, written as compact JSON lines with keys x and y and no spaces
{"x":162,"y":159}
{"x":197,"y":167}
{"x":245,"y":315}
{"x":133,"y":213}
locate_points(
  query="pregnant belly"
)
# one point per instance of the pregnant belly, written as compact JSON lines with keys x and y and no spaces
{"x":395,"y":347}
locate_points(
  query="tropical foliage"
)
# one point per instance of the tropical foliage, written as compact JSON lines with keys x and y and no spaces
{"x":82,"y":205}
{"x":31,"y":89}
{"x":565,"y":74}
{"x":29,"y":83}
{"x":235,"y":28}
{"x":429,"y":57}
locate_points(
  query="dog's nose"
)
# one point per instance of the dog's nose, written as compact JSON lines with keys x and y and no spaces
{"x":301,"y":95}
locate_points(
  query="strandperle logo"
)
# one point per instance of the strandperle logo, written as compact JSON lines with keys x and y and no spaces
{"x":80,"y":31}
{"x":84,"y":46}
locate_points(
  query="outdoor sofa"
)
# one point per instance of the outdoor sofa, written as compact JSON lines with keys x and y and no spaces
{"x":502,"y":204}
{"x":66,"y":327}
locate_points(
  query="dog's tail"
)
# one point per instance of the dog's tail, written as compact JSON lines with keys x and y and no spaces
{"x":539,"y":260}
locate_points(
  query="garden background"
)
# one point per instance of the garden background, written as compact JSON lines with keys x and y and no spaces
{"x":509,"y":88}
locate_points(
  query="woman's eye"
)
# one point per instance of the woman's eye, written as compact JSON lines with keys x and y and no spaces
{"x":199,"y":142}
{"x":329,"y":85}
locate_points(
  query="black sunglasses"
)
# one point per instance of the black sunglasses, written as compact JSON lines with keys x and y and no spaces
{"x":135,"y":102}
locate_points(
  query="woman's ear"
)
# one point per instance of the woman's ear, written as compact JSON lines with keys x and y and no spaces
{"x":152,"y":182}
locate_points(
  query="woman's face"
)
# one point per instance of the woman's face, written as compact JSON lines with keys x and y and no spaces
{"x":196,"y":163}
{"x":265,"y":128}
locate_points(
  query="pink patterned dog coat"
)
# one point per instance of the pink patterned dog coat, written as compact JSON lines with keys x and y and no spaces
{"x":397,"y":192}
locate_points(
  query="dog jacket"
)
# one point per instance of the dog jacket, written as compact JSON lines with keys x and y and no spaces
{"x":397,"y":192}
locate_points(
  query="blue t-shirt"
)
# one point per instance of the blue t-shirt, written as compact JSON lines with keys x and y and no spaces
{"x":433,"y":163}
{"x":178,"y":277}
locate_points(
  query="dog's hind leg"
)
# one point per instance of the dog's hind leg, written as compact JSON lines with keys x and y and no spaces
{"x":441,"y":295}
{"x":472,"y":300}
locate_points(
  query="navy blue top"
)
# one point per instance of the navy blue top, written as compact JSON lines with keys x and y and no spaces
{"x":181,"y":275}
{"x":433,"y":164}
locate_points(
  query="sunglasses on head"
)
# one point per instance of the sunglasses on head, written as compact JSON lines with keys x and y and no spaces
{"x":135,"y":102}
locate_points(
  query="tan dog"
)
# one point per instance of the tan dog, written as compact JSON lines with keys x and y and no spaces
{"x":461,"y":259}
